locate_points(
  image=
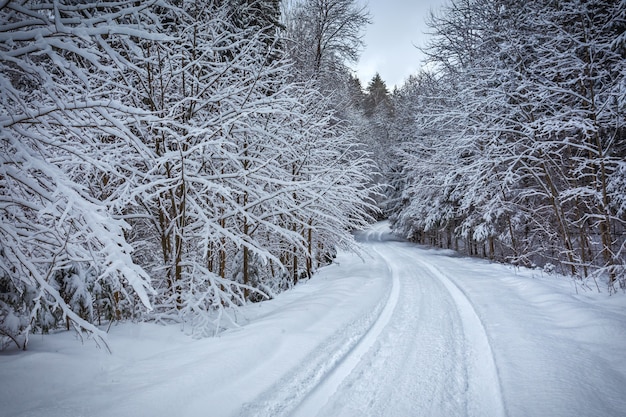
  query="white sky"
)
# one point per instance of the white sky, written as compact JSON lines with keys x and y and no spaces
{"x":398,"y":26}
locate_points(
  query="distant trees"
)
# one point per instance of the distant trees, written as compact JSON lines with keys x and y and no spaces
{"x":377,"y":97}
{"x":162,"y":154}
{"x":529,"y":105}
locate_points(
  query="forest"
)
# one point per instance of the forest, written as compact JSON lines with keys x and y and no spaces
{"x":172,"y":160}
{"x":512,"y":146}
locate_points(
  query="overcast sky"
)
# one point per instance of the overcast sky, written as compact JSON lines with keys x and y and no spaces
{"x":398,"y":26}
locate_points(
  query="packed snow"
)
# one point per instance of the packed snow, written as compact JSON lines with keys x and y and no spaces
{"x":398,"y":330}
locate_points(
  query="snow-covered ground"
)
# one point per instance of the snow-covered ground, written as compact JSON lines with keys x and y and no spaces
{"x":405,"y":331}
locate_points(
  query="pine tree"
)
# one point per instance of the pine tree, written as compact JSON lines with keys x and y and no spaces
{"x":377,"y":97}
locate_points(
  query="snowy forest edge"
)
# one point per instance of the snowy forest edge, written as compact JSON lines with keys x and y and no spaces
{"x":171,"y":161}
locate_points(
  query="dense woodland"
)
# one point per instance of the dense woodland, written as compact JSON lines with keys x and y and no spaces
{"x":171,"y":160}
{"x":512,"y":146}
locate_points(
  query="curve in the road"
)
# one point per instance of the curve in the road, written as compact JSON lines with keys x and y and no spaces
{"x":422,"y":350}
{"x":433,"y":357}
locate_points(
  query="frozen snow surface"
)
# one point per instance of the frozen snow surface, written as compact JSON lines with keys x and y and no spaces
{"x":399,"y":331}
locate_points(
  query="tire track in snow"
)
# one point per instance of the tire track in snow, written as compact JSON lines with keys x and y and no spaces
{"x":419,"y":364}
{"x":318,"y":385}
{"x":319,"y":396}
{"x":291,"y":396}
{"x":487,"y":396}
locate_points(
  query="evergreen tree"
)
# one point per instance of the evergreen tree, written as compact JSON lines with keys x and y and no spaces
{"x":377,"y":97}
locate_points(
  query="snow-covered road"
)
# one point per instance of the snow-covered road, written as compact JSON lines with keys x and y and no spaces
{"x":426,"y":354}
{"x":404,"y":331}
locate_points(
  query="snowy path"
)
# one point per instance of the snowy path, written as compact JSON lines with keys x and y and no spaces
{"x":405,"y":331}
{"x":427,"y":354}
{"x":322,"y":392}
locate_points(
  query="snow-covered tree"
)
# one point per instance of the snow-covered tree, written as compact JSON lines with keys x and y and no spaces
{"x":536,"y":108}
{"x":324,"y":35}
{"x":63,"y":127}
{"x":168,"y":137}
{"x":232,"y":173}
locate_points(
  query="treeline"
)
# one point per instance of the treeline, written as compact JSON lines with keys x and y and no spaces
{"x":171,"y":160}
{"x":512,"y":145}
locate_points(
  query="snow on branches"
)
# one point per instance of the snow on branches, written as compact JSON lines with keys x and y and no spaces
{"x":159,"y":155}
{"x":526,"y":118}
{"x":64,"y":131}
